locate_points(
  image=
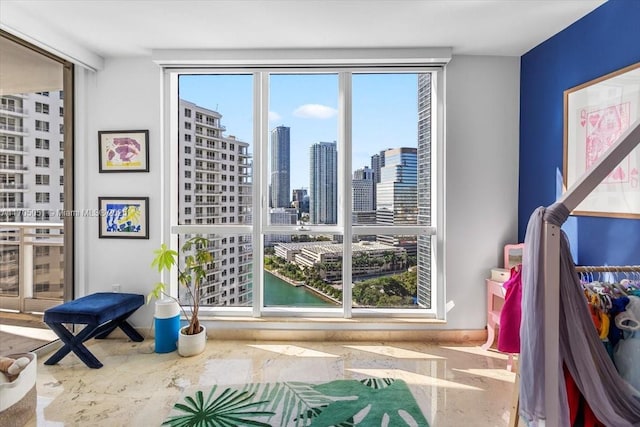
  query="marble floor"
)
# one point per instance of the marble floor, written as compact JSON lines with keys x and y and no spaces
{"x":455,"y":385}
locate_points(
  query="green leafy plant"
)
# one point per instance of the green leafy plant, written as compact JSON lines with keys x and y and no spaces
{"x":192,"y":276}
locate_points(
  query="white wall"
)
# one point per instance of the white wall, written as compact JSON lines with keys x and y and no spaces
{"x":125,"y":94}
{"x":481,"y":177}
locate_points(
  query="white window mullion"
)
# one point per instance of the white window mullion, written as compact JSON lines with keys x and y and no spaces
{"x":169,"y":167}
{"x":438,"y":163}
{"x":344,"y":180}
{"x":260,"y":136}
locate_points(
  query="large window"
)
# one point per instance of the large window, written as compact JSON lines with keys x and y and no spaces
{"x":314,"y":188}
{"x":34,"y":273}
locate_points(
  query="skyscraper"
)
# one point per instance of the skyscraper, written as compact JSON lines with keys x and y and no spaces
{"x":397,"y":202}
{"x":323,"y":167}
{"x":300,"y":200}
{"x":424,"y":188}
{"x":280,"y":167}
{"x":377,"y":161}
{"x":363,"y":190}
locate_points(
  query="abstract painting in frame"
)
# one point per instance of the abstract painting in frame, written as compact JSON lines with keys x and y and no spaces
{"x":123,"y":150}
{"x":596,"y":113}
{"x":124,"y":217}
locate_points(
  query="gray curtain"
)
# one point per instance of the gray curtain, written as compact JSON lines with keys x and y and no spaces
{"x":613,"y":400}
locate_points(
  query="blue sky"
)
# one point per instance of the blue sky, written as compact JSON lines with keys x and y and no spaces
{"x":384,"y":111}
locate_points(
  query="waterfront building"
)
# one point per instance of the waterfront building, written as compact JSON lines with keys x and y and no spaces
{"x":323,"y":167}
{"x":280,"y":167}
{"x":215,"y":188}
{"x":369,"y":258}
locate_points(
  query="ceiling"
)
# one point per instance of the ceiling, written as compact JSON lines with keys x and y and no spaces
{"x":24,"y":70}
{"x":111,"y":28}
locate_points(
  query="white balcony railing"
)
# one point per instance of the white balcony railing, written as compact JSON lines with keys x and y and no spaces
{"x":31,"y":266}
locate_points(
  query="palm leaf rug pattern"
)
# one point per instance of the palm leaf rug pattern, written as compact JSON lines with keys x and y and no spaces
{"x":340,"y":403}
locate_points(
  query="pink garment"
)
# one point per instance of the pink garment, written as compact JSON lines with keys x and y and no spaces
{"x":509,"y":333}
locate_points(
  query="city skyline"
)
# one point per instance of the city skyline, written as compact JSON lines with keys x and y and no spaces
{"x":308,"y":105}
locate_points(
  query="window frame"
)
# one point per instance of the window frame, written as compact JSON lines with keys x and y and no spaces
{"x":345,"y":228}
{"x":67,"y":94}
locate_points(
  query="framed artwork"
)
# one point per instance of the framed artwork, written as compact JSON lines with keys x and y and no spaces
{"x":123,"y":150}
{"x":124,"y":217}
{"x":596,"y":113}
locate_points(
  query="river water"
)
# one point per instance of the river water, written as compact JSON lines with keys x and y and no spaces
{"x":277,"y":292}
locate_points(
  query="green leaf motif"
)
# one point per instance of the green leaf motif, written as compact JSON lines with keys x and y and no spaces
{"x":340,"y":403}
{"x":290,"y":399}
{"x":229,"y":408}
{"x":375,"y":400}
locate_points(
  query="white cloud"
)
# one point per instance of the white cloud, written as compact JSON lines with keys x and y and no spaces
{"x":273,"y":116}
{"x":315,"y":111}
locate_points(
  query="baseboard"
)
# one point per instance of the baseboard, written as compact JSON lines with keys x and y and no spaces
{"x":434,"y":336}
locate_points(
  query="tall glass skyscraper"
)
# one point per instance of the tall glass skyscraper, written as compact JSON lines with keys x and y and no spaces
{"x":323,"y":167}
{"x":397,"y":202}
{"x":280,"y":167}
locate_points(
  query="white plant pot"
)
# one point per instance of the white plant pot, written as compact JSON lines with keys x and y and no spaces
{"x":190,"y":345}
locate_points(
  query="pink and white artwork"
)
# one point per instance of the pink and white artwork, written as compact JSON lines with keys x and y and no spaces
{"x":597,"y":114}
{"x":124,"y":151}
{"x":603,"y":127}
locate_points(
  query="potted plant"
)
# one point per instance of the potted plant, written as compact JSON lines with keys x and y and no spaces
{"x":192,"y":275}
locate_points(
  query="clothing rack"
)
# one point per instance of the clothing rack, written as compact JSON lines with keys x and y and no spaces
{"x":550,"y":257}
{"x":608,"y":269}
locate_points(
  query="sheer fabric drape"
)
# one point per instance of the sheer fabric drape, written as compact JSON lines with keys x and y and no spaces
{"x":611,"y":398}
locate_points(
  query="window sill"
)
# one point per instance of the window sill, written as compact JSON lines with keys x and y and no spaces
{"x":336,"y":329}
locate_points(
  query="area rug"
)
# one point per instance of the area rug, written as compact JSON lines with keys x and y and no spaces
{"x":340,"y":403}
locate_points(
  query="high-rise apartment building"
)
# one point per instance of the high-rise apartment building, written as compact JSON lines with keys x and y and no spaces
{"x":323,"y":167}
{"x":397,"y":202}
{"x":31,"y":185}
{"x":31,"y":157}
{"x":280,"y":167}
{"x":424,"y":188}
{"x":215,"y":188}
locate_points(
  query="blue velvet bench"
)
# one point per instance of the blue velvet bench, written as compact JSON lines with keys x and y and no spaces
{"x":101,"y":312}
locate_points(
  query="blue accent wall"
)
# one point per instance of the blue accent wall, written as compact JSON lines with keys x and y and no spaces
{"x":603,"y":41}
